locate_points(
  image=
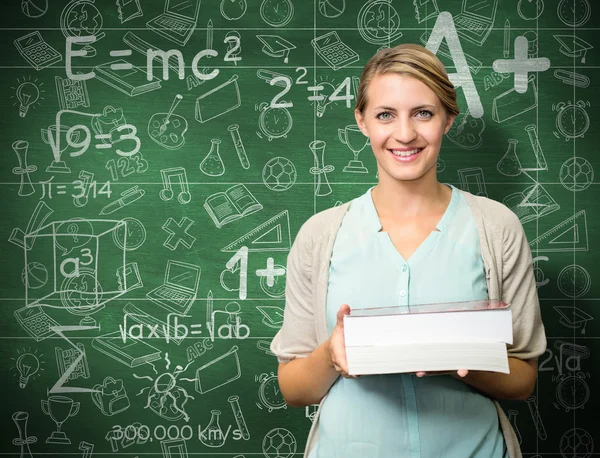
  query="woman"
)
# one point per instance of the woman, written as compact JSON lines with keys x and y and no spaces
{"x":409,"y":240}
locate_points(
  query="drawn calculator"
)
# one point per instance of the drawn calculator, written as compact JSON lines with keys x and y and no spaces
{"x":36,"y":322}
{"x":36,"y":51}
{"x":334,"y":51}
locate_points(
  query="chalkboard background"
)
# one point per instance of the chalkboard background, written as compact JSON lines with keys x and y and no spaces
{"x":100,"y":212}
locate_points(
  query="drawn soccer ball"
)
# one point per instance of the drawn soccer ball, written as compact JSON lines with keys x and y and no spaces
{"x":279,"y":443}
{"x":576,"y":174}
{"x":279,"y":174}
{"x":576,"y":443}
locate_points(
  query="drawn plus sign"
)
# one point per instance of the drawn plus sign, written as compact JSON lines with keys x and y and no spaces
{"x":270,"y":272}
{"x":521,"y":64}
{"x":179,"y":230}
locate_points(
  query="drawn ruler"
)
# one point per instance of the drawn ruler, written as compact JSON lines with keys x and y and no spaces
{"x":272,"y":235}
{"x":569,"y":235}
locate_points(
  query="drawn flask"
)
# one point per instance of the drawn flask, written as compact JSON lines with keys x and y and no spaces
{"x":212,"y":435}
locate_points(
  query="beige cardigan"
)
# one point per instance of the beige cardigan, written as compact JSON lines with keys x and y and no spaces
{"x":509,"y":272}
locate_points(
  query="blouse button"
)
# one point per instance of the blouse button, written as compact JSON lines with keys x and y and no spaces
{"x":404,"y":267}
{"x":403,"y":293}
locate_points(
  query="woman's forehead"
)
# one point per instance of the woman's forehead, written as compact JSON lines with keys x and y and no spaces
{"x":393,"y":88}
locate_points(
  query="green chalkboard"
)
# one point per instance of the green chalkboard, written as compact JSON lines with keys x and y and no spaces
{"x":160,"y":157}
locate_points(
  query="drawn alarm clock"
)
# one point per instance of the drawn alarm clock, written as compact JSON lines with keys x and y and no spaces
{"x":268,"y":392}
{"x":466,"y":131}
{"x":168,"y":129}
{"x":274,"y":122}
{"x":572,"y":121}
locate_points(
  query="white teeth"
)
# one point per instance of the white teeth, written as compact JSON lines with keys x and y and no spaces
{"x":405,"y":153}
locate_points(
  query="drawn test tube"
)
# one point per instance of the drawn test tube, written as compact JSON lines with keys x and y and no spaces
{"x":239,"y":416}
{"x":537,"y":419}
{"x":239,"y":146}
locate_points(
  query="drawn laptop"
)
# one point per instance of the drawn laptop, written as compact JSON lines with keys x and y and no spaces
{"x":178,"y":21}
{"x":476,"y":19}
{"x":179,"y":289}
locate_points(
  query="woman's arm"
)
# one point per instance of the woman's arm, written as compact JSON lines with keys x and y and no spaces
{"x":516,"y":386}
{"x":304,"y":381}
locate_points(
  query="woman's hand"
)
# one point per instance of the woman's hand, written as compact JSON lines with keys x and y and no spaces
{"x":461,"y":373}
{"x":337,"y":346}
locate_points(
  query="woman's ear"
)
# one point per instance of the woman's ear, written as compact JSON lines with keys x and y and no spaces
{"x":449,"y":122}
{"x":360,"y":122}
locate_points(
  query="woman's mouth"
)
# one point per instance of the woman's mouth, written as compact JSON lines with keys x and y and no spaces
{"x":405,"y":155}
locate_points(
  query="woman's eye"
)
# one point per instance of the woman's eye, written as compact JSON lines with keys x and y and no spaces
{"x":384,"y":116}
{"x":425,"y":114}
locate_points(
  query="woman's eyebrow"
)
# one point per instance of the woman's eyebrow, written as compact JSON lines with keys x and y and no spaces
{"x":382,"y":107}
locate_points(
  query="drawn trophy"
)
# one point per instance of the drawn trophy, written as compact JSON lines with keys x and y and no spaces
{"x":318,"y":150}
{"x":353,"y":138}
{"x":60,"y":408}
{"x":51,"y":136}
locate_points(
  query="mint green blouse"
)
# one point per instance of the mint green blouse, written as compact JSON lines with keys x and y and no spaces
{"x":401,"y":415}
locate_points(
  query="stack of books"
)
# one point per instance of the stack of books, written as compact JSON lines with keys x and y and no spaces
{"x":429,"y":337}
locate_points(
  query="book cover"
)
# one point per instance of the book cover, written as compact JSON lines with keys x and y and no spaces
{"x":132,"y":352}
{"x":133,"y":81}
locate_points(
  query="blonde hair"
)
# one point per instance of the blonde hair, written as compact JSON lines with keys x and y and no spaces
{"x":410,"y":60}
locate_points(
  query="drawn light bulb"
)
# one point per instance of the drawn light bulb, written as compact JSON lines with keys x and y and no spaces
{"x":27,"y":93}
{"x":326,"y":92}
{"x":27,"y":365}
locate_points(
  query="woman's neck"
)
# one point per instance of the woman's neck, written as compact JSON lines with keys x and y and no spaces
{"x":410,"y":199}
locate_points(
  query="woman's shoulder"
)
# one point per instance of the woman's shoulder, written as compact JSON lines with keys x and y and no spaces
{"x":322,"y":224}
{"x":491,"y":213}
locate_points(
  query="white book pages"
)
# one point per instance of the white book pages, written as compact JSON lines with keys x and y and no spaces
{"x":494,"y":325}
{"x":446,"y":356}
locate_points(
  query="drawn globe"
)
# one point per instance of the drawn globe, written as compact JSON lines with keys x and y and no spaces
{"x":279,"y":174}
{"x":81,"y":18}
{"x":576,"y":174}
{"x":279,"y":443}
{"x":576,"y":443}
{"x":378,"y":22}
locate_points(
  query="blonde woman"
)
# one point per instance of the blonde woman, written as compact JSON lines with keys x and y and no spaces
{"x":408,"y":240}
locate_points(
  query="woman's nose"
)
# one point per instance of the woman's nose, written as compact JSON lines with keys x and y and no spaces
{"x":405,"y":131}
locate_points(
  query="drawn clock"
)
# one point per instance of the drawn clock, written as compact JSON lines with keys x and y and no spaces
{"x":572,"y":120}
{"x":574,"y":281}
{"x":274,"y":122}
{"x":135,"y":237}
{"x":574,"y":13}
{"x":269,"y":393}
{"x":572,"y":392}
{"x":277,"y":13}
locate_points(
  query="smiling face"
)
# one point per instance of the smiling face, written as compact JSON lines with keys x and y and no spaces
{"x":405,"y":121}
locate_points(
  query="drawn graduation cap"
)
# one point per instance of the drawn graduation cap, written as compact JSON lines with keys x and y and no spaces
{"x":275,"y":46}
{"x":573,"y":318}
{"x":573,"y":46}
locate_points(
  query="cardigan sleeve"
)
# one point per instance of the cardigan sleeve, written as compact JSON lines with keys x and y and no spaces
{"x":519,"y":289}
{"x":297,"y":336}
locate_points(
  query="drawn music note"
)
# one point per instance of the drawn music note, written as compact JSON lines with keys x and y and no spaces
{"x":167,"y":193}
{"x":87,"y":449}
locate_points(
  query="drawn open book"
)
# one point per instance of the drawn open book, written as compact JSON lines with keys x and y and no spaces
{"x":235,"y":203}
{"x":429,"y":337}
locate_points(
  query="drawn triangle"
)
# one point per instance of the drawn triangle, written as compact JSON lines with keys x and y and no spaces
{"x":569,"y":235}
{"x":272,"y":235}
